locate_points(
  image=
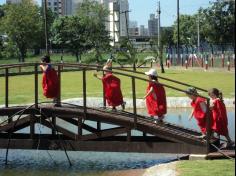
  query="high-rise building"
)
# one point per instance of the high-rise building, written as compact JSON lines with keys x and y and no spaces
{"x":133,"y":28}
{"x":143,"y":31}
{"x":118,"y":19}
{"x":13,"y":1}
{"x":63,"y":7}
{"x":153,"y":25}
{"x":17,"y":1}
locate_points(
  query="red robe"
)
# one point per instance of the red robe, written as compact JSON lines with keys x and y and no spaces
{"x":111,"y":86}
{"x":220,"y":119}
{"x":199,"y":114}
{"x":50,"y":83}
{"x":156,"y":107}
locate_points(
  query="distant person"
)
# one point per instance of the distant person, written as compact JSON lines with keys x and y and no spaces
{"x":50,"y":82}
{"x":199,"y":111}
{"x":112,"y":88}
{"x":219,"y":114}
{"x":155,"y":97}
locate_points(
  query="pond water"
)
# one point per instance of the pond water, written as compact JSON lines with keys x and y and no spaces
{"x":53,"y":163}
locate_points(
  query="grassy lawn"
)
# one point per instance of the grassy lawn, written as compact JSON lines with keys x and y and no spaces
{"x":207,"y":168}
{"x":21,"y":88}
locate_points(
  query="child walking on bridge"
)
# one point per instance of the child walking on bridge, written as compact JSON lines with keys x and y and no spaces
{"x":219,"y":115}
{"x":50,"y":82}
{"x":199,"y":111}
{"x":155,"y":97}
{"x":112,"y":88}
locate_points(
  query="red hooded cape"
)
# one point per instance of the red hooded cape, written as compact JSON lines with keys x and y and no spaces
{"x":199,"y":114}
{"x":156,"y":107}
{"x":50,"y":83}
{"x":220,"y":119}
{"x":111,"y":86}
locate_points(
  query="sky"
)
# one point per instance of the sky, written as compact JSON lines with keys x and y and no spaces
{"x":141,"y":9}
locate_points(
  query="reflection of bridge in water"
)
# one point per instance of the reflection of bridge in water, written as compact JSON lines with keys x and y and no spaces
{"x":156,"y":138}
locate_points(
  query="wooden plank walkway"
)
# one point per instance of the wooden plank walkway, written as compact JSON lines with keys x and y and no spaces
{"x":166,"y":137}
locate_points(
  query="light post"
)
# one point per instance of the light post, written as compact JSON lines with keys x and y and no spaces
{"x":46,"y":27}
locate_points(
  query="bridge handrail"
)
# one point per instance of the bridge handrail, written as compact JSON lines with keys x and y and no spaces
{"x":91,"y":65}
{"x":85,"y":68}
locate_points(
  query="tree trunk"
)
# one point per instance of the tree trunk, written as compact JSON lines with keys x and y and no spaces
{"x":161,"y":60}
{"x":77,"y":56}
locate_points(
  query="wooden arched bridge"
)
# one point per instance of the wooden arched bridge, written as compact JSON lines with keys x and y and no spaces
{"x":157,"y":138}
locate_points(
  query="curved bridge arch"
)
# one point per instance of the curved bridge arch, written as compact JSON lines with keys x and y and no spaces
{"x":159,"y":138}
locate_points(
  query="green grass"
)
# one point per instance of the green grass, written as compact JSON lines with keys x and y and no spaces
{"x":21,"y":88}
{"x":207,"y":168}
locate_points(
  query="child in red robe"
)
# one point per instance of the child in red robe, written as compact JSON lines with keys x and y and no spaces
{"x":50,"y":82}
{"x":199,"y":110}
{"x":155,"y":97}
{"x":112,"y":88}
{"x":219,"y":114}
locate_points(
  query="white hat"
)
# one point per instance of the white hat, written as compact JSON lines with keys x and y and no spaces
{"x":151,"y":72}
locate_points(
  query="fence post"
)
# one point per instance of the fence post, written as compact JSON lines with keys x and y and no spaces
{"x":228,"y":63}
{"x":186,"y":61}
{"x":59,"y":80}
{"x":6,"y":87}
{"x":134,"y":101}
{"x":84,"y":93}
{"x":206,"y":62}
{"x":36,"y":85}
{"x":208,"y":121}
{"x":202,"y":60}
{"x":223,"y":60}
{"x":212,"y":61}
{"x":104,"y":98}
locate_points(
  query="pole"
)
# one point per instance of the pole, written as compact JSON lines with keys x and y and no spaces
{"x":159,"y":22}
{"x":198,"y":34}
{"x":46,"y":26}
{"x":178,"y":41}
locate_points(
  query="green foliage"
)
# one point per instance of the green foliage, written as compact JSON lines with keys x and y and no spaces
{"x":22,"y":23}
{"x":128,"y":52}
{"x":167,"y":34}
{"x":158,"y":50}
{"x":71,"y":34}
{"x":83,"y":32}
{"x":206,"y":168}
{"x":188,"y":30}
{"x":218,"y":22}
{"x":93,"y":16}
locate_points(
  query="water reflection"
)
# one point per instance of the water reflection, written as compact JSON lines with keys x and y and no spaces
{"x":54,"y":163}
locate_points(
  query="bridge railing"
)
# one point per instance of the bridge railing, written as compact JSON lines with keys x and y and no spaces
{"x":133,"y":75}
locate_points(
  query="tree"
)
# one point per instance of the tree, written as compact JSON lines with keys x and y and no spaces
{"x":22,"y":23}
{"x":167,"y":34}
{"x":127,"y":52}
{"x":71,"y":34}
{"x":219,"y":22}
{"x":188,"y":30}
{"x":158,"y":50}
{"x":93,"y":15}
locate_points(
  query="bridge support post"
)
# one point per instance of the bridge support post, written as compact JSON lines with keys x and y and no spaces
{"x":6,"y":87}
{"x":80,"y":130}
{"x":59,"y":79}
{"x":32,"y":126}
{"x":209,"y":132}
{"x":54,"y":124}
{"x":36,"y":85}
{"x":129,"y":135}
{"x":99,"y":126}
{"x":134,"y":102}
